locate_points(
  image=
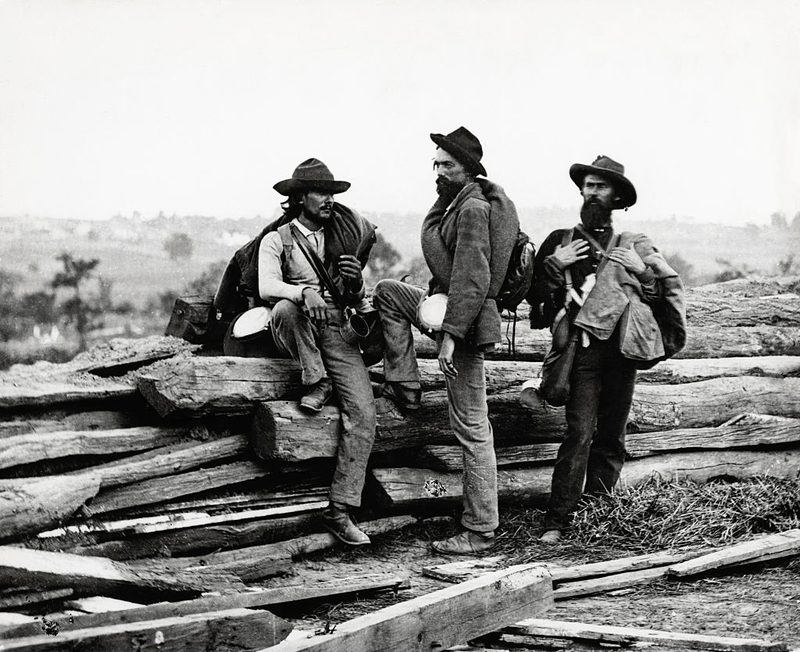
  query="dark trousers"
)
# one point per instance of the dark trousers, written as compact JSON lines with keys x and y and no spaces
{"x":593,"y":450}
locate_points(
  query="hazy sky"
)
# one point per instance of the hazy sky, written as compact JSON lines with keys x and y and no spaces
{"x":200,"y":106}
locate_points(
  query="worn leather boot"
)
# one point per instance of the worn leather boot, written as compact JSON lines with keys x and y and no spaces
{"x":319,"y":394}
{"x":337,"y":521}
{"x":466,"y":543}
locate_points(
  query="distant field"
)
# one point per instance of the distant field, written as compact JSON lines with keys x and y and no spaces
{"x":133,"y":258}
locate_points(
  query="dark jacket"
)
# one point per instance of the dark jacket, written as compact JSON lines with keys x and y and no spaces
{"x":467,"y":246}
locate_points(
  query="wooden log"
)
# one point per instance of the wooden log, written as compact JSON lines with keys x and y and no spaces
{"x":218,"y":385}
{"x":744,"y":431}
{"x":30,"y":505}
{"x":408,"y":486}
{"x":27,"y":597}
{"x":182,"y":521}
{"x":441,"y":619}
{"x":60,"y":420}
{"x":254,"y":562}
{"x":704,"y":342}
{"x":27,"y":393}
{"x":26,"y":449}
{"x":244,"y":628}
{"x":200,"y":540}
{"x":634,"y":636}
{"x":255,"y":597}
{"x":157,"y":490}
{"x":23,"y":567}
{"x":606,"y":583}
{"x":166,"y":461}
{"x":767,"y":547}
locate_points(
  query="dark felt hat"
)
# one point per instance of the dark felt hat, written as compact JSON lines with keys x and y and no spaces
{"x":464,"y":146}
{"x":609,"y":169}
{"x":311,"y":174}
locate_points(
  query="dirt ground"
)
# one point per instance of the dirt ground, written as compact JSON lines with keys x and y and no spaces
{"x":761,"y":602}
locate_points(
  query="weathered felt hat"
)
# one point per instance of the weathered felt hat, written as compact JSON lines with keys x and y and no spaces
{"x":607,"y":168}
{"x":464,"y":146}
{"x":311,"y":174}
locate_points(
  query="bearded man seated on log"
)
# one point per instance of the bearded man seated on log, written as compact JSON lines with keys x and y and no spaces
{"x":281,"y":270}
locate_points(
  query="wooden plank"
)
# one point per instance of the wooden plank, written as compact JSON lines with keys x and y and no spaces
{"x":29,"y":448}
{"x":30,"y":505}
{"x":633,"y":636}
{"x":244,"y":628}
{"x":441,"y":619}
{"x":157,"y":490}
{"x":218,"y":385}
{"x":770,"y":546}
{"x":607,"y":583}
{"x":25,"y":567}
{"x":255,"y":597}
{"x":743,"y":431}
{"x":100,"y":604}
{"x":410,"y":486}
{"x":167,"y":460}
{"x":58,"y":420}
{"x":458,"y":571}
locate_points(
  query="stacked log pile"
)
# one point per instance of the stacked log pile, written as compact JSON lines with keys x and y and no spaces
{"x":166,"y":471}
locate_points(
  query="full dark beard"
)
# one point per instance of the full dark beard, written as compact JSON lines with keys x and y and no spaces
{"x":595,"y":215}
{"x":447,"y":189}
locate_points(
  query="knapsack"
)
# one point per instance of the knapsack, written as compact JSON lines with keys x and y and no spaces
{"x":519,"y":275}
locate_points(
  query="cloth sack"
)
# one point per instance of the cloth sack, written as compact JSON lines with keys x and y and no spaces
{"x":557,"y":365}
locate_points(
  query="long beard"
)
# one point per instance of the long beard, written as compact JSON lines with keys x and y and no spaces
{"x":595,"y":215}
{"x":446,"y":189}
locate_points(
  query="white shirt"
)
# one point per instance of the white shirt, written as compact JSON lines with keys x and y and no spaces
{"x":299,"y":273}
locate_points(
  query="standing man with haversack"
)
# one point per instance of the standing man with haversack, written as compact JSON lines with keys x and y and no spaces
{"x":467,"y":239}
{"x":306,"y":321}
{"x":627,"y":305}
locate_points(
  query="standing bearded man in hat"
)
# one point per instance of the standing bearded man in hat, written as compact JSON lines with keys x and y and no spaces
{"x":467,"y":238}
{"x":306,"y":322}
{"x":628,"y":307}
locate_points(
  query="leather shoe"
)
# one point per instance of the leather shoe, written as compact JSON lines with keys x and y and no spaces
{"x":407,"y":398}
{"x":551,"y":536}
{"x":465,"y":543}
{"x":319,"y":394}
{"x":339,"y":524}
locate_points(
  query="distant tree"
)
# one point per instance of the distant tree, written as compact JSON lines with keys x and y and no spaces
{"x":729,"y":271}
{"x":77,"y":308}
{"x":382,"y":259}
{"x":778,"y":221}
{"x":179,"y":246}
{"x":796,"y":222}
{"x":788,"y":266}
{"x":208,"y":280}
{"x":415,"y":272}
{"x":9,"y":324}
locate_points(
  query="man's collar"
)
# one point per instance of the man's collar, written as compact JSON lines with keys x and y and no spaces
{"x":304,"y":229}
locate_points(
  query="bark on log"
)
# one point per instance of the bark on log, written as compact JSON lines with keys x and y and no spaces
{"x":59,"y":421}
{"x":407,"y":487}
{"x":25,"y":567}
{"x":166,"y":461}
{"x":30,"y":505}
{"x":157,"y":490}
{"x":282,"y":431}
{"x":745,"y":431}
{"x":246,"y":629}
{"x":218,"y":385}
{"x":704,"y":342}
{"x":25,"y":449}
{"x":33,"y":393}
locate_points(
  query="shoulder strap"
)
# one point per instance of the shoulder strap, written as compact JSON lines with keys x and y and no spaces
{"x":318,"y":266}
{"x":568,"y":235}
